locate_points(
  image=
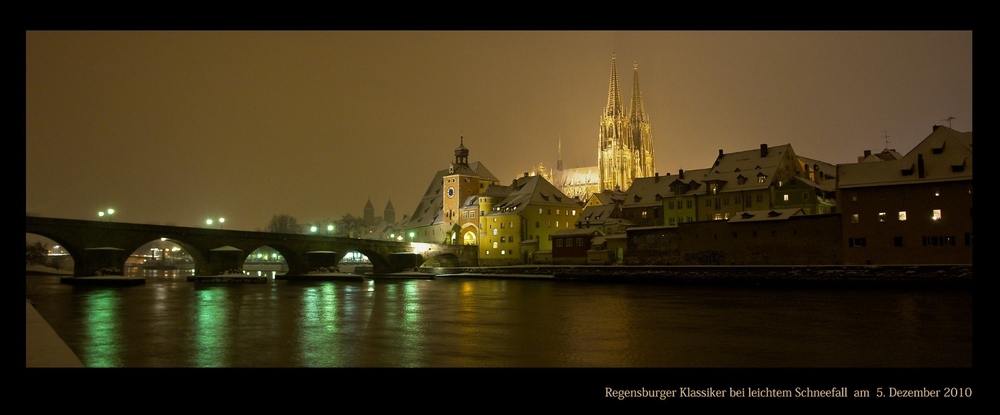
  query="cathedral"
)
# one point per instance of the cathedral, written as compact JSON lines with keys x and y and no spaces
{"x":624,"y":146}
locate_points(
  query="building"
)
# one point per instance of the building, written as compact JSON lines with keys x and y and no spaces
{"x":570,"y":246}
{"x":437,"y":218}
{"x":624,"y":146}
{"x":519,"y":221}
{"x":914,"y":209}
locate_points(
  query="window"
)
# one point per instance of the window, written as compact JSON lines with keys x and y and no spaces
{"x":579,"y":241}
{"x":503,"y":239}
{"x":936,"y":215}
{"x":854,"y":197}
{"x":557,"y":224}
{"x":670,"y":205}
{"x":785,"y":198}
{"x":760,"y":179}
{"x":574,"y":212}
{"x":465,"y":214}
{"x":902,"y":215}
{"x":559,"y":243}
{"x":495,"y":245}
{"x":495,"y":231}
{"x":805,"y":195}
{"x":854,"y":218}
{"x":857,"y":242}
{"x":689,"y":204}
{"x":708,"y":202}
{"x":557,"y":211}
{"x":718,"y":216}
{"x":760,"y":198}
{"x":643,"y":215}
{"x":672,"y":221}
{"x":881,"y":216}
{"x":569,"y":242}
{"x":537,"y":225}
{"x":539,"y":211}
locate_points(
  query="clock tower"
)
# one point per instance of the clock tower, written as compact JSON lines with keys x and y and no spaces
{"x":460,"y":183}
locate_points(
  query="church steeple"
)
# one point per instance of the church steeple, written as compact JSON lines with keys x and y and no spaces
{"x":615,"y":107}
{"x":369,"y":217}
{"x":615,"y":155}
{"x":639,"y":130}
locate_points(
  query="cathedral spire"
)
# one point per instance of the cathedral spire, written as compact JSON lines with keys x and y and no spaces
{"x":639,"y":131}
{"x":614,"y":108}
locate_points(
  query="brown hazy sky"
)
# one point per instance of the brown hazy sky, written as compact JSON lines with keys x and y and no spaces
{"x":176,"y":127}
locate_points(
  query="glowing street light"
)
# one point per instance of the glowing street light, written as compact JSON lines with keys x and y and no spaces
{"x":209,"y":222}
{"x":107,"y":213}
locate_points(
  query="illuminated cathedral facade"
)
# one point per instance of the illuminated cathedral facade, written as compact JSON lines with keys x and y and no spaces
{"x":624,"y":146}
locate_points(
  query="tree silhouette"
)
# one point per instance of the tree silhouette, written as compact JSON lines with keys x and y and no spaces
{"x":283,"y":224}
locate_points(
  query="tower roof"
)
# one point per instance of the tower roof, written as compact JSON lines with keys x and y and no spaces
{"x":636,"y":111}
{"x":369,"y":204}
{"x":615,"y":107}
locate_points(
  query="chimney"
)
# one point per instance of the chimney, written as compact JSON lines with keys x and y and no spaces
{"x":525,"y":174}
{"x":935,"y":128}
{"x":920,"y":166}
{"x":656,"y":177}
{"x":681,"y":172}
{"x":763,"y":150}
{"x":720,"y":153}
{"x":868,"y":153}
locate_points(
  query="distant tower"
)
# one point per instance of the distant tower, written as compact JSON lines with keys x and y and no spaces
{"x":369,"y":213}
{"x":559,"y":165}
{"x":390,"y":214}
{"x":614,"y":157}
{"x":639,"y":130}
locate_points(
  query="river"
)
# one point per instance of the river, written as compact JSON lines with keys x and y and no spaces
{"x":488,"y":323}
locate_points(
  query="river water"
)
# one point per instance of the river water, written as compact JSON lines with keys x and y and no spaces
{"x":451,"y":322}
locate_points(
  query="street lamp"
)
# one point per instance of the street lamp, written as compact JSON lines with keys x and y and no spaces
{"x":107,"y":213}
{"x":209,"y":222}
{"x":329,"y":228}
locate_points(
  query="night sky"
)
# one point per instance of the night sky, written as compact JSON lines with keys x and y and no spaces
{"x":177,"y":127}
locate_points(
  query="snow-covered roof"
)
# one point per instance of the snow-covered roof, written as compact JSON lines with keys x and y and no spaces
{"x":532,"y":190}
{"x":945,"y":155}
{"x":765,"y":215}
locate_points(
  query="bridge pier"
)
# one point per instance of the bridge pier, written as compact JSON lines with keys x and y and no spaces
{"x":321,"y":259}
{"x":223,"y":259}
{"x":101,"y":261}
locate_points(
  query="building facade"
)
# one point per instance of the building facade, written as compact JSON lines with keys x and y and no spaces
{"x":916,"y":209}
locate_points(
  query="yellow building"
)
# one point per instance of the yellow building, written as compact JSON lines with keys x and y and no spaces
{"x":520,"y":219}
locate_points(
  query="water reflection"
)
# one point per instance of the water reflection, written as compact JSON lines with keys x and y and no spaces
{"x":169,"y":322}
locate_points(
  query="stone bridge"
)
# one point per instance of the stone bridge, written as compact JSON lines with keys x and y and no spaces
{"x":98,"y":245}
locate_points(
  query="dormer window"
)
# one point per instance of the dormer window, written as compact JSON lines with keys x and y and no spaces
{"x":713,"y":188}
{"x":761,"y":178}
{"x":637,"y":198}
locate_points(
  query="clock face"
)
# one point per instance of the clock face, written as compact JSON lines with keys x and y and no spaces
{"x":451,"y":192}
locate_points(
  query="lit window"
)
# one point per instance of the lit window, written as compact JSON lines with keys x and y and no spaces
{"x":786,"y":198}
{"x":718,"y":216}
{"x":574,"y":212}
{"x":539,"y":211}
{"x":760,"y":179}
{"x":503,"y":252}
{"x":902,"y":215}
{"x":495,"y":231}
{"x":643,"y":216}
{"x":937,"y":214}
{"x":557,"y":211}
{"x":854,"y":218}
{"x":881,"y":216}
{"x":495,"y":245}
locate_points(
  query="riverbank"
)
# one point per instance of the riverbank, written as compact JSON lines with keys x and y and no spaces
{"x":956,"y":276}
